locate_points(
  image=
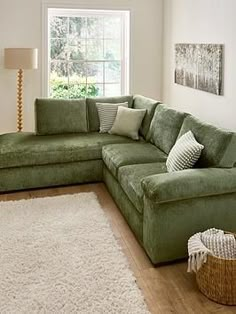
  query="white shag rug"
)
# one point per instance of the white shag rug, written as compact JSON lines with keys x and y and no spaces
{"x":59,"y":255}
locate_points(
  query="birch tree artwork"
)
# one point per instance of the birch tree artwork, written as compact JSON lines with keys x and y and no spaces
{"x":199,"y":66}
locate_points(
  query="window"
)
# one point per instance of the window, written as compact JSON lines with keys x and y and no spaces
{"x":88,"y":53}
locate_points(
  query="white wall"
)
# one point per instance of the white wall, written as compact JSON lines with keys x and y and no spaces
{"x":21,"y":26}
{"x":201,"y":21}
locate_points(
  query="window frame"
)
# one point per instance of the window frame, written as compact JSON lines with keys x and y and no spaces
{"x":65,"y":10}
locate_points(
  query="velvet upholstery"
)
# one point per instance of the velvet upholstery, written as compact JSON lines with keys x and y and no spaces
{"x":60,"y":116}
{"x":25,"y":149}
{"x":130,"y":178}
{"x":165,"y":127}
{"x":141,"y":102}
{"x":118,"y":155}
{"x":168,"y":226}
{"x":93,"y":118}
{"x":128,"y":210}
{"x":163,"y":209}
{"x":189,"y":183}
{"x":219,"y":145}
{"x":28,"y":177}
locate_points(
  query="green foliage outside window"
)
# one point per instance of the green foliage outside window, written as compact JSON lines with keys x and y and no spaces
{"x":60,"y":89}
{"x":80,"y":57}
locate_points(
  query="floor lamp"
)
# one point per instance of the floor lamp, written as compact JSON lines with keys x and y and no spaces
{"x":20,"y":59}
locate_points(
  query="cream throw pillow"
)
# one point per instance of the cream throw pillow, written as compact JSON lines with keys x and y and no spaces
{"x":184,"y":154}
{"x":128,"y":122}
{"x":107,"y":114}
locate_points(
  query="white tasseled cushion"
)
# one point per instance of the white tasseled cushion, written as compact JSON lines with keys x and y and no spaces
{"x":184,"y":154}
{"x":107,"y":114}
{"x":220,"y":244}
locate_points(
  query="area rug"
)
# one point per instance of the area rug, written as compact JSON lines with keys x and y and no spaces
{"x":59,"y":255}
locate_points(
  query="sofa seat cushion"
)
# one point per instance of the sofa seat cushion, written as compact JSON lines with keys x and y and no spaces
{"x":130,"y":178}
{"x":119,"y":155}
{"x":26,"y":149}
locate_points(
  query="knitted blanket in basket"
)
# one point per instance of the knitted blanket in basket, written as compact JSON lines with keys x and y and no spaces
{"x":213,"y":242}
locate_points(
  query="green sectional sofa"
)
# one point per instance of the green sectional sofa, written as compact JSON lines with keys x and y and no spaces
{"x":163,"y":209}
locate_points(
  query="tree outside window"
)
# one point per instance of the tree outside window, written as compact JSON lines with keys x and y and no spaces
{"x":87,"y":54}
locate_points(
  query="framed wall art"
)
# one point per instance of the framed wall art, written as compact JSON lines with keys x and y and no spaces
{"x":200,"y":66}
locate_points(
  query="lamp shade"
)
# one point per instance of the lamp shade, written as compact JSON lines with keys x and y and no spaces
{"x":21,"y":58}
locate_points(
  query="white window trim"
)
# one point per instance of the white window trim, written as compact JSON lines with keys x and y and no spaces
{"x":125,"y":66}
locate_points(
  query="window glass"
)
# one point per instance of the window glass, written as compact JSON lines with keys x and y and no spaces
{"x":88,"y":53}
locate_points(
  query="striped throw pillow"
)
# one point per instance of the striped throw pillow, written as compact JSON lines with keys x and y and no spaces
{"x":184,"y":154}
{"x":107,"y":114}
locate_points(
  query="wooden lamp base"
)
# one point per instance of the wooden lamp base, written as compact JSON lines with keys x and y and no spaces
{"x":19,"y":100}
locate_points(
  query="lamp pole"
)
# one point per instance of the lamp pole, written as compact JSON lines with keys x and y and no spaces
{"x":19,"y":100}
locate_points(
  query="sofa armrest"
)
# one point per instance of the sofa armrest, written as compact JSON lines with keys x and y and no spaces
{"x":190,"y":183}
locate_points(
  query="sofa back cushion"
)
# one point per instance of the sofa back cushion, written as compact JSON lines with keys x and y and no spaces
{"x":165,"y":127}
{"x":93,"y":118}
{"x":141,"y":102}
{"x":219,"y":145}
{"x":57,"y":116}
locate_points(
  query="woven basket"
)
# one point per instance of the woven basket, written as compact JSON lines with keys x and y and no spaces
{"x":216,"y":279}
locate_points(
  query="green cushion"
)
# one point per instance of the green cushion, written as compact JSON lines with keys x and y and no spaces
{"x":93,"y":118}
{"x":59,"y":116}
{"x":25,"y":149}
{"x":189,"y":183}
{"x":141,"y":102}
{"x":118,"y":155}
{"x":219,"y":145}
{"x":165,"y":127}
{"x":130,"y":179}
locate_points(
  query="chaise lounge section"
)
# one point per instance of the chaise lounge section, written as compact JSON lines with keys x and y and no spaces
{"x":163,"y":209}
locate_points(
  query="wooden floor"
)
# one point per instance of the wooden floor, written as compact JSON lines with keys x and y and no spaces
{"x":167,"y":289}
